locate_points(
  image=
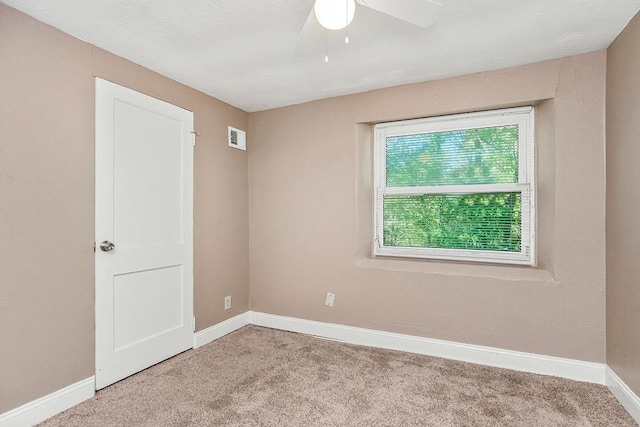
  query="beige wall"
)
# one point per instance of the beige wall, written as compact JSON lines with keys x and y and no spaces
{"x":47,"y":204}
{"x":310,"y":217}
{"x":623,"y":205}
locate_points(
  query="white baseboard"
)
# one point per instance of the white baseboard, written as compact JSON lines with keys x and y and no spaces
{"x":489,"y":356}
{"x":627,"y":398}
{"x":45,"y":407}
{"x":221,"y":329}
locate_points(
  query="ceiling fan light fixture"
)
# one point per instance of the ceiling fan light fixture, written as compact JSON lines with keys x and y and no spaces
{"x":334,"y":14}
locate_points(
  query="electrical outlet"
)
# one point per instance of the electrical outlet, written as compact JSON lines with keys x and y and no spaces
{"x":227,"y":302}
{"x":330,"y":298}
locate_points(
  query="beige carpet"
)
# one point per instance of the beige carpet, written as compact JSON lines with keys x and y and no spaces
{"x":263,"y":377}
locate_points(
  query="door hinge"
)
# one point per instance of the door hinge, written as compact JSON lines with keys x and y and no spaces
{"x":193,"y":137}
{"x":194,"y":323}
{"x":94,"y":247}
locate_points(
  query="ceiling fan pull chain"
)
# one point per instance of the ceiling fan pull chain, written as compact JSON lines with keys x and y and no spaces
{"x":346,"y":29}
{"x":326,"y":45}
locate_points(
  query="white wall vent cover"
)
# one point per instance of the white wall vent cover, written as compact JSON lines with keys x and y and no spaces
{"x":237,"y":138}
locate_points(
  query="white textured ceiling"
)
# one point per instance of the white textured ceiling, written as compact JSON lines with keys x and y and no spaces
{"x":244,"y":51}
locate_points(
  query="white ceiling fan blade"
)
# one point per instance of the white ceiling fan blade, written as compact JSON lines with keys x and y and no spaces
{"x":422,"y":13}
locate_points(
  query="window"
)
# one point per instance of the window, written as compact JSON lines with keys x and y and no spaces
{"x":456,"y":187}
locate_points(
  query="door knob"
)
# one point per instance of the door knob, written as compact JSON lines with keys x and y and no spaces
{"x":107,"y":246}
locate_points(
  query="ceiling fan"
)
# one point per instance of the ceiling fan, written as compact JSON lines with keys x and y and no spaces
{"x":333,"y":15}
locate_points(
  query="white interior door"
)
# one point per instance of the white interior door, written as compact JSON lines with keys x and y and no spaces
{"x":144,"y":212}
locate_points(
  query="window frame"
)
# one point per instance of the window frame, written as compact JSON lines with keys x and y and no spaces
{"x":521,"y":116}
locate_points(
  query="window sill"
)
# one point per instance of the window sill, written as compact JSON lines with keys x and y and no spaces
{"x":475,"y":257}
{"x":512,"y":273}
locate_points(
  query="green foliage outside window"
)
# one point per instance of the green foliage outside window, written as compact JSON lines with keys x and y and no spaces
{"x":480,"y":221}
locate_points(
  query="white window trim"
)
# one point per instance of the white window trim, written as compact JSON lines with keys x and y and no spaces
{"x":524,"y":118}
